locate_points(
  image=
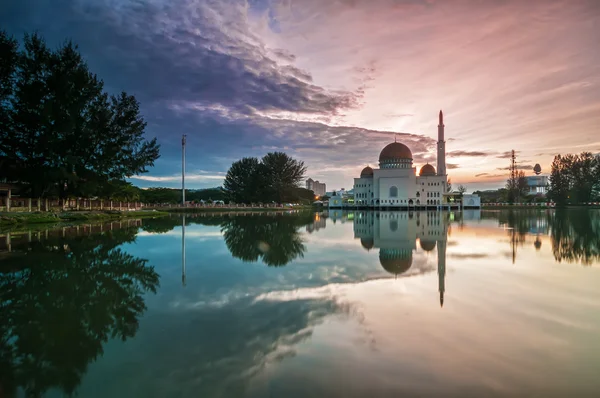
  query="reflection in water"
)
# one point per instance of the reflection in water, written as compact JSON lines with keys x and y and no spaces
{"x":396,"y":233}
{"x":575,"y":234}
{"x":61,"y":300}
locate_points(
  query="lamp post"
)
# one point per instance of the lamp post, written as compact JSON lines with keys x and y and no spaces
{"x":183,"y":170}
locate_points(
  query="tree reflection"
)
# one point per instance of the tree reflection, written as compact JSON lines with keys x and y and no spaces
{"x":60,"y":301}
{"x":275,"y":240}
{"x":574,"y":233}
{"x":576,"y":236}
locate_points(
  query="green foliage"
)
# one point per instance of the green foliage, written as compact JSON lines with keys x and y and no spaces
{"x":61,"y":134}
{"x":574,"y":178}
{"x":63,"y":299}
{"x":160,"y":195}
{"x":274,"y":178}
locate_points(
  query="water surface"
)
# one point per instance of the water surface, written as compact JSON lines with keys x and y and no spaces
{"x":299,"y":305}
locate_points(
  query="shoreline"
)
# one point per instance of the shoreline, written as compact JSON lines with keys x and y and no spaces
{"x":8,"y":220}
{"x":191,"y":210}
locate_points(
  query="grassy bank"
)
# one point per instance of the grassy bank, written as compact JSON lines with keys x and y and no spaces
{"x":16,"y":219}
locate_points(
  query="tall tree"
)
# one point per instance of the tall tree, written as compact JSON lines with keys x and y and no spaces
{"x":559,"y":181}
{"x":245,"y":181}
{"x":67,"y":136}
{"x":283,"y":174}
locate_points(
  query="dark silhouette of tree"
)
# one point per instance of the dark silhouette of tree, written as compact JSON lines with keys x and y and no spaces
{"x":276,"y":240}
{"x":161,"y":225}
{"x":245,"y":181}
{"x":574,"y":178}
{"x":575,"y":236}
{"x":283,"y":174}
{"x":66,"y":135}
{"x":274,"y":178}
{"x":537,"y":169}
{"x":60,"y":301}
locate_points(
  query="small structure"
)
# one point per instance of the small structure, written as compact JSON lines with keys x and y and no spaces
{"x":537,"y":185}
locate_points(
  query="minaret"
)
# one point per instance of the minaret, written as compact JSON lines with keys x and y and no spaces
{"x":441,"y":247}
{"x":441,"y":148}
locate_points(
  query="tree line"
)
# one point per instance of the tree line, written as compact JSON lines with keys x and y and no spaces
{"x":575,"y":179}
{"x":274,"y":178}
{"x":61,"y":134}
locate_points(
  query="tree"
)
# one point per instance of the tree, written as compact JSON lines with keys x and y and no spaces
{"x":245,"y":181}
{"x":66,"y":135}
{"x":282,"y":174}
{"x":449,"y":185}
{"x":559,"y":181}
{"x":522,"y":187}
{"x":275,"y":178}
{"x":461,"y":190}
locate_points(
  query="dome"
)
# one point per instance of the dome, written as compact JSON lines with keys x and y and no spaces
{"x":366,"y":172}
{"x":395,"y":262}
{"x":395,"y":151}
{"x":427,"y":170}
{"x":427,"y":245}
{"x":367,"y":243}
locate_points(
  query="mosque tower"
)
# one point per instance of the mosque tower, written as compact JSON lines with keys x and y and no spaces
{"x":441,"y":246}
{"x":441,"y":148}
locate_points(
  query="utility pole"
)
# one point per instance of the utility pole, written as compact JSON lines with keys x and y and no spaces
{"x":513,"y":176}
{"x":183,"y":170}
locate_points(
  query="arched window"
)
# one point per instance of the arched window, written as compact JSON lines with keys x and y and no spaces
{"x":393,"y":192}
{"x":418,"y":194}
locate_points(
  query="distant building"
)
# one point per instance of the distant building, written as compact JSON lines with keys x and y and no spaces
{"x":317,"y":187}
{"x":538,"y":185}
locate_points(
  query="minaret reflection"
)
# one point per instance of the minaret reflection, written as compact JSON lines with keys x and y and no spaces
{"x":183,"y":251}
{"x":395,"y":235}
{"x":441,"y":270}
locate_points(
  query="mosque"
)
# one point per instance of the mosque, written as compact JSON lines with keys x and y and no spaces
{"x":395,"y":184}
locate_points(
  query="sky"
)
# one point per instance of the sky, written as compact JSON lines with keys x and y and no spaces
{"x":332,"y":82}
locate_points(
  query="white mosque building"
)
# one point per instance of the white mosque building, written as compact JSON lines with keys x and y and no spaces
{"x":395,"y":184}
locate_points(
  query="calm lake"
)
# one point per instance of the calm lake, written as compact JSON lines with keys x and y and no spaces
{"x":331,"y":304}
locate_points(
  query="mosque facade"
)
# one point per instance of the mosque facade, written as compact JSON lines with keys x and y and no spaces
{"x":396,"y":184}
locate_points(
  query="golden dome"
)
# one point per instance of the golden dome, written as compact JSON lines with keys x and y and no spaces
{"x":427,"y":170}
{"x":367,"y":243}
{"x":427,"y":245}
{"x":366,"y":172}
{"x":395,"y":151}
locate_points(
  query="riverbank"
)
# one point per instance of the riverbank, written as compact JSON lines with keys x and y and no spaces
{"x":18,"y":219}
{"x":230,"y":209}
{"x":544,"y":207}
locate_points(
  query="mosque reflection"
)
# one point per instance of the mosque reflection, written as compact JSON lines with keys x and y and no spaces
{"x":395,"y":234}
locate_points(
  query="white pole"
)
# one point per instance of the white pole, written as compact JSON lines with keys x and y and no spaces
{"x":183,"y":251}
{"x":183,"y":170}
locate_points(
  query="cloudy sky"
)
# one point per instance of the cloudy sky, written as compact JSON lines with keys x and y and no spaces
{"x":331,"y":81}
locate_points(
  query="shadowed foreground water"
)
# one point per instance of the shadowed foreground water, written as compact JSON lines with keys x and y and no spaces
{"x":306,"y":305}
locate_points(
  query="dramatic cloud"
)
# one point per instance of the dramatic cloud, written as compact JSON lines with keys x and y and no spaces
{"x":507,"y":155}
{"x":519,"y":167}
{"x":458,"y":154}
{"x":323,"y":79}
